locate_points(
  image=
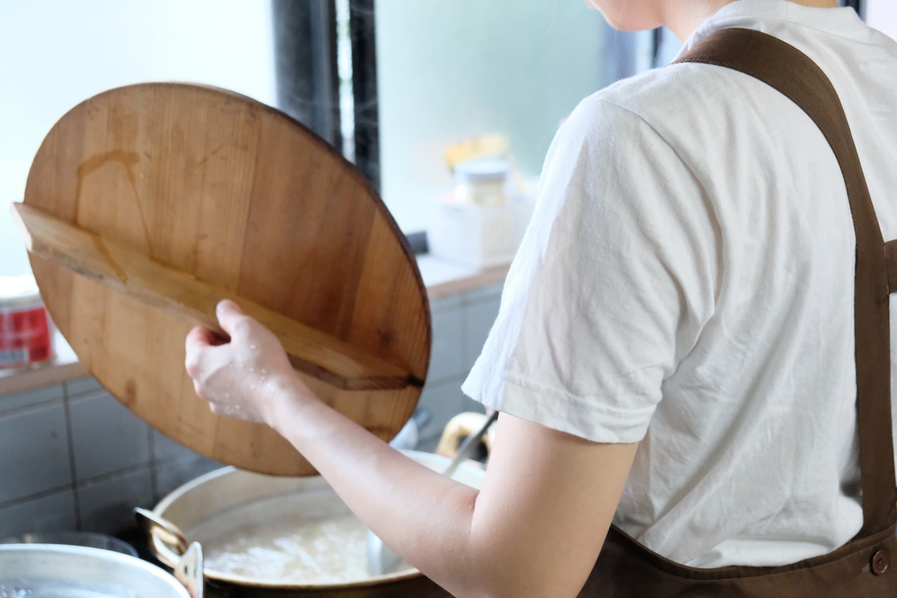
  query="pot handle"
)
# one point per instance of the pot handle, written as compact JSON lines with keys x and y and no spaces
{"x":189,"y":571}
{"x":166,"y":531}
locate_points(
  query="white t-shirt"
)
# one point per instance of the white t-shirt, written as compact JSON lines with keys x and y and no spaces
{"x":687,"y":282}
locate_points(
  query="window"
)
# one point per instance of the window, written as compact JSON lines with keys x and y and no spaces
{"x":453,"y":70}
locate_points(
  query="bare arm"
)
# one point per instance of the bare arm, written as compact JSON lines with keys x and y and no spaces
{"x":534,"y":529}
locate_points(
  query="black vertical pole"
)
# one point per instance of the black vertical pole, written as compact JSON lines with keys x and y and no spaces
{"x":306,"y":66}
{"x":364,"y":86}
{"x":857,"y":5}
{"x":655,"y":50}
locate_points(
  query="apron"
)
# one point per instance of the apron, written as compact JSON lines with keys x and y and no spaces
{"x":862,"y":567}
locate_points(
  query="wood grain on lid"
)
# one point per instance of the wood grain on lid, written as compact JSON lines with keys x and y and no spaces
{"x":237,"y":197}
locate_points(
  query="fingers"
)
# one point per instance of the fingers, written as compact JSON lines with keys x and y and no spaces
{"x":201,"y":337}
{"x":198,"y":340}
{"x":231,"y":317}
{"x":197,"y":387}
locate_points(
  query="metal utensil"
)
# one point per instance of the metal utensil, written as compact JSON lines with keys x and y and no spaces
{"x":381,"y":558}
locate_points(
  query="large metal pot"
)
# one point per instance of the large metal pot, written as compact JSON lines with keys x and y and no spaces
{"x":57,"y":570}
{"x":231,"y":499}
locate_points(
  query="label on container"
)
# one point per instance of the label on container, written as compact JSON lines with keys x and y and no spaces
{"x":25,"y":336}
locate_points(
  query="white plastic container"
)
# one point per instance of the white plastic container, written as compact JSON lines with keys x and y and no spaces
{"x":483,"y":224}
{"x":482,"y":182}
{"x":478,"y":236}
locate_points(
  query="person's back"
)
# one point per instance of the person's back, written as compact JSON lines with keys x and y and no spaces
{"x":713,"y":230}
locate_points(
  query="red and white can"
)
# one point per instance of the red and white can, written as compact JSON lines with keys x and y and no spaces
{"x":26,"y":333}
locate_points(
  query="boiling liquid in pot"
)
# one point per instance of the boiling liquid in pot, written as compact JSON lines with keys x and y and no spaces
{"x":330,"y":550}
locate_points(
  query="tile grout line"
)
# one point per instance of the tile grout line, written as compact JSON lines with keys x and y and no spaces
{"x":152,"y":464}
{"x":33,"y":407}
{"x":463,"y":335}
{"x":112,"y":475}
{"x":76,"y":485}
{"x":15,"y":502}
{"x":83,"y":396}
{"x":459,"y":378}
{"x":76,"y":499}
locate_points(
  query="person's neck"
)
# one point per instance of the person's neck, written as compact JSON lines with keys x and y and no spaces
{"x":682,"y":18}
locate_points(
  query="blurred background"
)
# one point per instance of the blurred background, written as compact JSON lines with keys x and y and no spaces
{"x":391,"y":84}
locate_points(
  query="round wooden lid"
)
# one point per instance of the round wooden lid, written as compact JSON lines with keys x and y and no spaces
{"x":167,"y":197}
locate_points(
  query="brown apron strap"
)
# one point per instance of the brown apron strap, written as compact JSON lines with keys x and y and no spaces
{"x":792,"y":73}
{"x":891,"y":256}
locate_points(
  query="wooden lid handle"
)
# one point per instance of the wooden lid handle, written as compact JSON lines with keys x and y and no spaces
{"x":181,"y":294}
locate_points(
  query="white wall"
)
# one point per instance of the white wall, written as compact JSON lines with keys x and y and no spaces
{"x":56,"y":53}
{"x":882,"y":14}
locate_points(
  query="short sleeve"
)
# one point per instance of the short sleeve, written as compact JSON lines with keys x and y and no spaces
{"x":611,"y":286}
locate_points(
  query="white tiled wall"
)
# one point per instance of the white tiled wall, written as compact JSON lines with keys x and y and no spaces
{"x":99,"y":422}
{"x":72,"y":457}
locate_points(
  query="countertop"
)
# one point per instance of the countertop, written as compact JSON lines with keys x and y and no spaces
{"x":441,"y":277}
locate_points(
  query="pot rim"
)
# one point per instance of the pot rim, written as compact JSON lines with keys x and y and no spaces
{"x":99,"y":554}
{"x":254,"y":582}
